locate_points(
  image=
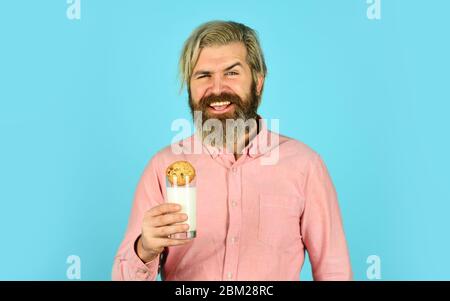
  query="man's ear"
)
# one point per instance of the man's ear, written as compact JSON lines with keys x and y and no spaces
{"x":259,"y":84}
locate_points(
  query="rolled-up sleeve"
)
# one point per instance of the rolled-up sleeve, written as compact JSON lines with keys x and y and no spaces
{"x":127,"y":265}
{"x":321,"y":226}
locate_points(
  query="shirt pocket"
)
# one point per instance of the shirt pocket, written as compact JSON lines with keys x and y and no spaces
{"x":279,"y":221}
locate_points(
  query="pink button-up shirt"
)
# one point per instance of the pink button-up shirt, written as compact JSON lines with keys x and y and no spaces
{"x":255,"y":218}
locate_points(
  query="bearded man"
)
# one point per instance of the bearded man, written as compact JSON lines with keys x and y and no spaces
{"x":260,"y":205}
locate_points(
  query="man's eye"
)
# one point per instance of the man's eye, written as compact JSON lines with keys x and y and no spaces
{"x":232,"y":73}
{"x":202,"y":76}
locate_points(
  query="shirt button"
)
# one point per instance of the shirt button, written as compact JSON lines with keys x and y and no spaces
{"x":234,"y":203}
{"x":234,"y":240}
{"x":229,"y":275}
{"x":142,"y":274}
{"x":234,"y":169}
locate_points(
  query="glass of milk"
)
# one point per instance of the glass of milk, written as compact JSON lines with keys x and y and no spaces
{"x":186,"y":197}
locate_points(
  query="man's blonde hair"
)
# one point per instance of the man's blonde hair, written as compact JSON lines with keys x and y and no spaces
{"x":217,"y":33}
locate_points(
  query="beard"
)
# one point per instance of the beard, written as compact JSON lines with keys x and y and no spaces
{"x":244,"y":112}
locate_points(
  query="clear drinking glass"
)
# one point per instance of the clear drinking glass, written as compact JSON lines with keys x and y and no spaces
{"x":186,"y":196}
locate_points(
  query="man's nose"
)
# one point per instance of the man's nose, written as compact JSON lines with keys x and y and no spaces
{"x":217,"y":85}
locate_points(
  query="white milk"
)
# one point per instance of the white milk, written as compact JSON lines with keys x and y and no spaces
{"x":186,"y":197}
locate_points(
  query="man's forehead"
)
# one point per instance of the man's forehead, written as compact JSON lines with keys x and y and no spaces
{"x":219,"y":57}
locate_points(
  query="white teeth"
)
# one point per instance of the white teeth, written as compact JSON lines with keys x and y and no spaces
{"x":219,"y":103}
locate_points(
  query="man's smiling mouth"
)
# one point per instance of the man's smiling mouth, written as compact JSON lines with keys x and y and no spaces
{"x":220,"y":106}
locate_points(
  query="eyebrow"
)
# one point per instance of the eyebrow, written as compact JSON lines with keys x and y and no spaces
{"x":206,"y":72}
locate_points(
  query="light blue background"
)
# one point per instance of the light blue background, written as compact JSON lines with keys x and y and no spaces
{"x":85,"y":104}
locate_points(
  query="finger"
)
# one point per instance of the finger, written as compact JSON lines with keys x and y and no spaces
{"x":168,"y":230}
{"x":175,"y":242}
{"x":164,"y":209}
{"x":168,"y":219}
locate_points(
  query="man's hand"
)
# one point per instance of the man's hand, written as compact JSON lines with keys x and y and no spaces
{"x":157,"y":225}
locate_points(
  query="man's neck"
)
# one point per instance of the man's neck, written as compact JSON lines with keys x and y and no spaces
{"x":242,"y":143}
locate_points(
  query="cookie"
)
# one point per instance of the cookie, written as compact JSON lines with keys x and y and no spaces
{"x":180,"y":169}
